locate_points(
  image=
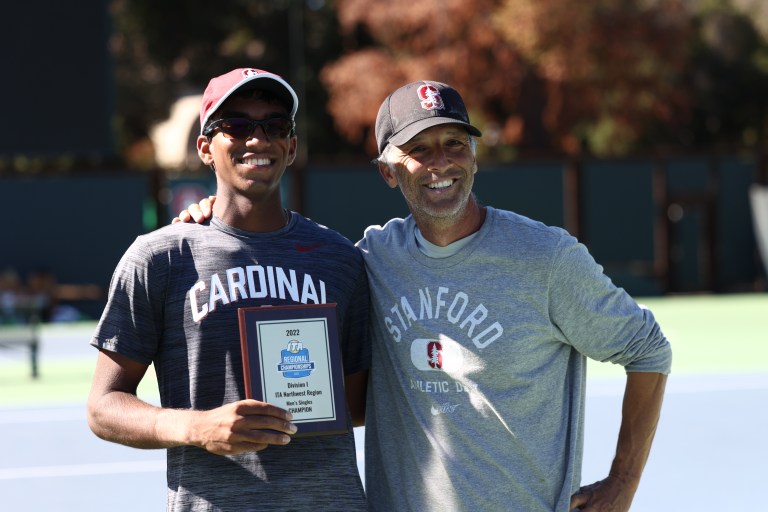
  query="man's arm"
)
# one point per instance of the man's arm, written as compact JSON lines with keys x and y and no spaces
{"x":643,"y":397}
{"x":116,"y":414}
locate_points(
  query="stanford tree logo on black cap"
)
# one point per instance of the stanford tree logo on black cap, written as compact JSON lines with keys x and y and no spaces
{"x":417,"y":106}
{"x":430,"y":97}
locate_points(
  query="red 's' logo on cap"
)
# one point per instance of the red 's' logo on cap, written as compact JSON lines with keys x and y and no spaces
{"x":430,"y":97}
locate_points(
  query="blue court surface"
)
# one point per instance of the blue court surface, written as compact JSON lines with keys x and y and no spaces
{"x":710,"y":453}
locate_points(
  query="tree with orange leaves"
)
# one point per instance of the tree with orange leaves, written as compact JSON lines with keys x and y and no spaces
{"x":541,"y":75}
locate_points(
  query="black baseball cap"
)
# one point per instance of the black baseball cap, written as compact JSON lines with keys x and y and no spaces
{"x":417,"y":106}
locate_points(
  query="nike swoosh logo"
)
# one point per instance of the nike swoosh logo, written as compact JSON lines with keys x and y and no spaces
{"x":307,"y":248}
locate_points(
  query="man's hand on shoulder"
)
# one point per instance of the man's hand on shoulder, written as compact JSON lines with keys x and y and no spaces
{"x":197,"y":212}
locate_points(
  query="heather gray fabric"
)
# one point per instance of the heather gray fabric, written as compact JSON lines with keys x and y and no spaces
{"x":476,"y":400}
{"x":173,"y":302}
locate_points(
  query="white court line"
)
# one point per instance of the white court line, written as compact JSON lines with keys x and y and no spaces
{"x":106,"y":468}
{"x":678,"y":384}
{"x":609,"y":386}
{"x":42,"y":415}
{"x":714,"y":383}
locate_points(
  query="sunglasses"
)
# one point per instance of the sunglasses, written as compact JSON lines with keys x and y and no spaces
{"x":244,"y":128}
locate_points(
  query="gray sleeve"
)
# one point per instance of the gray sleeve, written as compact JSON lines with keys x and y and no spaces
{"x":129,"y":324}
{"x":599,"y":319}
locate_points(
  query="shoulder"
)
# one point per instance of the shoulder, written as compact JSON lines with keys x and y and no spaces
{"x":528,"y":233}
{"x":309,"y":226}
{"x":172,"y":234}
{"x":312,"y":234}
{"x":161,"y":244}
{"x":394,"y":231}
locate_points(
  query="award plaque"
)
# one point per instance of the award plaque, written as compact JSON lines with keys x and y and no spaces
{"x":292,"y":359}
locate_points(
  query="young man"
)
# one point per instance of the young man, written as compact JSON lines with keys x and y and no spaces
{"x":482,"y":321}
{"x":173,"y":302}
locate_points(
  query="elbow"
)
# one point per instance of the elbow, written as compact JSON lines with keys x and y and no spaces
{"x":93,"y":417}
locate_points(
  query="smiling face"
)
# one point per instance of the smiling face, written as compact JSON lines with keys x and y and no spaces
{"x":435,"y":172}
{"x":248,"y":169}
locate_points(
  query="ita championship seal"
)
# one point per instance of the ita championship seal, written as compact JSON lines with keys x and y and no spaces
{"x":294,"y":361}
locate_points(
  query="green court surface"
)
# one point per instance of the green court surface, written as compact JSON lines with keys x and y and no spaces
{"x":710,"y":334}
{"x":66,"y":365}
{"x":64,"y":382}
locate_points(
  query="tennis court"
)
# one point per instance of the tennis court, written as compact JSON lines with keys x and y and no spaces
{"x":711,"y":452}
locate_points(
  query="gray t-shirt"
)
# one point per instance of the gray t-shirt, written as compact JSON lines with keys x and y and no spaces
{"x":173,"y":302}
{"x":476,"y":399}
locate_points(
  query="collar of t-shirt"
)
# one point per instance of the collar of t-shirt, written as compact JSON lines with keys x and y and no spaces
{"x":435,"y":251}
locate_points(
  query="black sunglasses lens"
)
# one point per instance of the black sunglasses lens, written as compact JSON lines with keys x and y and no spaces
{"x":237,"y":128}
{"x":241,"y":128}
{"x":277,"y":128}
